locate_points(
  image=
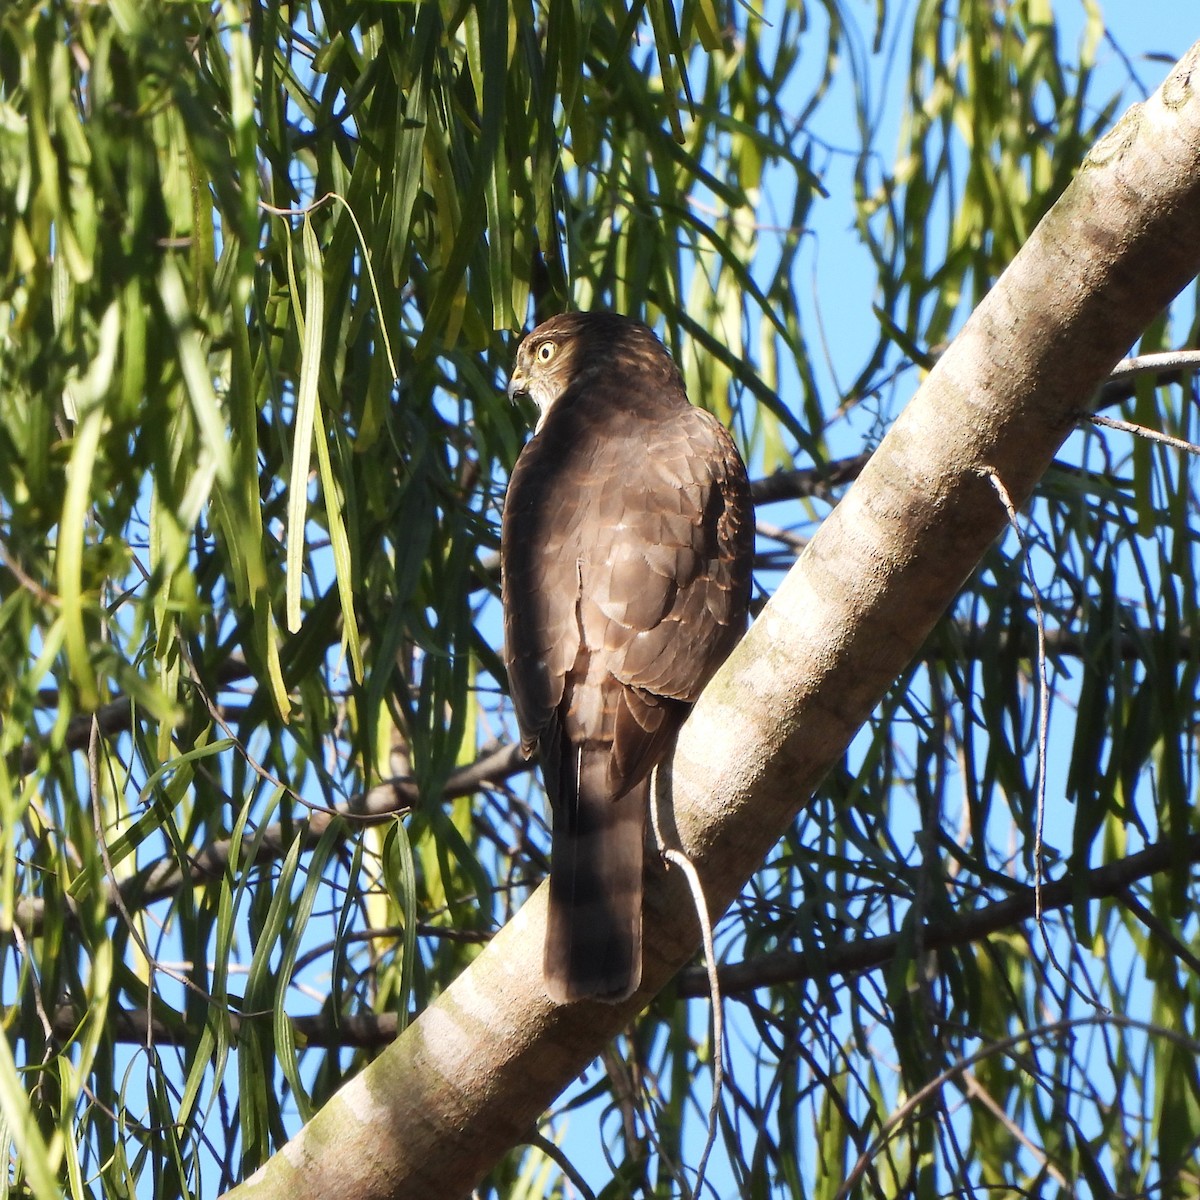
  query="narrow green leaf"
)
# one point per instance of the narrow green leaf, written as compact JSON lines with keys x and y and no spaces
{"x":198,"y":381}
{"x":33,"y":1155}
{"x":343,"y":563}
{"x":399,"y":873}
{"x":69,"y":555}
{"x":312,"y":323}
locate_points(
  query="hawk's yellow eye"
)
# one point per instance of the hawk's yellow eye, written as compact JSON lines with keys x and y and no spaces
{"x":545,"y":352}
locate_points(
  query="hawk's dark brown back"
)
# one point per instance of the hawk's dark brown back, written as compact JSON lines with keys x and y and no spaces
{"x":626,"y":553}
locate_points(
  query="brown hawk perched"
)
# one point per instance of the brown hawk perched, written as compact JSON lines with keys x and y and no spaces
{"x":625,"y":552}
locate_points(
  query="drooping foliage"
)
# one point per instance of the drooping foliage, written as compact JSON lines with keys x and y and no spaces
{"x":262,"y":270}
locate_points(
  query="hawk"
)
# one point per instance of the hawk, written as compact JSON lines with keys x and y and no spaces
{"x":626,"y":547}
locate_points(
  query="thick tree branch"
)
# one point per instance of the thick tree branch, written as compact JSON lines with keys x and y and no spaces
{"x":381,"y":802}
{"x":472,"y":1073}
{"x":867,"y":954}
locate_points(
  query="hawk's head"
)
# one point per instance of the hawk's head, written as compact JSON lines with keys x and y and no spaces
{"x":566,"y":349}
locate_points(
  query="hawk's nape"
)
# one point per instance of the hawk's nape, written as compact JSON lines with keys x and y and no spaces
{"x":626,"y":551}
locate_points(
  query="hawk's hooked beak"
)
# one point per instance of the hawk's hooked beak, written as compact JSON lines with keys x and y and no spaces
{"x":518,"y":384}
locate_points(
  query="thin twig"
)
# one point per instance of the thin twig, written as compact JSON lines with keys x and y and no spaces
{"x":114,"y":888}
{"x":681,"y":860}
{"x":1151,"y":434}
{"x":25,"y":579}
{"x":976,"y":1091}
{"x":1171,"y":366}
{"x":1155,"y":364}
{"x":554,"y":1152}
{"x":1043,"y":695}
{"x":38,"y":1004}
{"x":320,"y":202}
{"x":1043,"y":739}
{"x":793,"y":541}
{"x":1003,"y":1046}
{"x":678,"y":858}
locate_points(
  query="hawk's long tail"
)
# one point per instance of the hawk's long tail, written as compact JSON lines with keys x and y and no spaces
{"x":594,"y":929}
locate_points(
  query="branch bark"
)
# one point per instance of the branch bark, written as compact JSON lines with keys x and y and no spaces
{"x":378,"y":804}
{"x":467,"y":1080}
{"x":857,"y":955}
